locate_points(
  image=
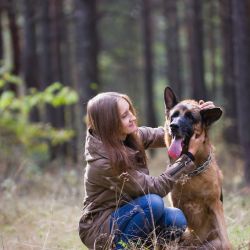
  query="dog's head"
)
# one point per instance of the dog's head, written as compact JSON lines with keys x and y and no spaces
{"x":181,"y":120}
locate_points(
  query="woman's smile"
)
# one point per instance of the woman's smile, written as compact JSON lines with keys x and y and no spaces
{"x":128,"y":119}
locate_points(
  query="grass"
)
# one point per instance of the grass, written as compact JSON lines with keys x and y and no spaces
{"x":43,"y":217}
{"x":40,"y":224}
{"x":41,"y":211}
{"x":238,"y":219}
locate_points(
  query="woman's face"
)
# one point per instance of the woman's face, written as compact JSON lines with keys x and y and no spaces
{"x":128,"y":120}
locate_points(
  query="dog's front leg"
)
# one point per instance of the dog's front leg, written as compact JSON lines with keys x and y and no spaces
{"x":220,"y":225}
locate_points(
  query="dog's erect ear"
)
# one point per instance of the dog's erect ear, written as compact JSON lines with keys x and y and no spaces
{"x":170,"y":99}
{"x":210,"y":116}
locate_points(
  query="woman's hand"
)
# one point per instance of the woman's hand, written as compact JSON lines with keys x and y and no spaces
{"x":196,"y":142}
{"x":206,"y":105}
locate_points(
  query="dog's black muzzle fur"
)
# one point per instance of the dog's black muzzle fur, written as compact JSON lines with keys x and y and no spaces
{"x":181,"y":127}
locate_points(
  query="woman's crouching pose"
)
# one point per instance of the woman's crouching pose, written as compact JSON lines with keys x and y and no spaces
{"x":123,"y":204}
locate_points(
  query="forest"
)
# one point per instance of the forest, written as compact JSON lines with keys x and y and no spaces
{"x":57,"y":54}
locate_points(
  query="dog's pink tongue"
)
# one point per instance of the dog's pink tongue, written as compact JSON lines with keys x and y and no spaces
{"x":175,"y":148}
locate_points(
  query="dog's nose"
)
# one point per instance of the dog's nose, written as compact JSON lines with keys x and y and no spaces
{"x":174,"y":126}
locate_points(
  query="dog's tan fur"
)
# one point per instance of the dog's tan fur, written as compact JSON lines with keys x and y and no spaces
{"x":199,"y":198}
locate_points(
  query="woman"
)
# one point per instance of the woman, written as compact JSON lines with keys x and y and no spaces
{"x":122,"y":202}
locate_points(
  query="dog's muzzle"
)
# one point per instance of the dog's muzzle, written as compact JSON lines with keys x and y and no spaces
{"x":181,"y":130}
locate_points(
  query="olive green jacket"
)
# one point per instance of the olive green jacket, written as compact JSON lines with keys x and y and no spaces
{"x":106,"y":191}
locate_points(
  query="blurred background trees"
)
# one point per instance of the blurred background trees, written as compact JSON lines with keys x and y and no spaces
{"x":199,"y":48}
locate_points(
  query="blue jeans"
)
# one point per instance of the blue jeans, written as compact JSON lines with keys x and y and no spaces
{"x":142,"y":216}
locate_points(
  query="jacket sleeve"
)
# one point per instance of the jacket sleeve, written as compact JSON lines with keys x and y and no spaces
{"x":152,"y":137}
{"x":135,"y":183}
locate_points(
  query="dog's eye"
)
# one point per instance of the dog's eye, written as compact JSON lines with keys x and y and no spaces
{"x":175,"y":114}
{"x":189,"y":115}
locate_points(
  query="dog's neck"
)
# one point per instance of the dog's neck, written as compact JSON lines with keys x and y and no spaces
{"x":204,"y":152}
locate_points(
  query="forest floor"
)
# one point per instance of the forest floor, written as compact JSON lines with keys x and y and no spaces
{"x":41,"y":211}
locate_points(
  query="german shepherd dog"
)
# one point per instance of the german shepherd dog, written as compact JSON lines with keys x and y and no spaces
{"x":198,"y":194}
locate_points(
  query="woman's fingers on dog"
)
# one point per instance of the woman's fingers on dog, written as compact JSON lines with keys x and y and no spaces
{"x":197,"y":129}
{"x":196,"y":142}
{"x":200,"y":136}
{"x":206,"y":105}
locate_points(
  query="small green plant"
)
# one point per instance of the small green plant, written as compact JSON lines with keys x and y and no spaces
{"x":123,"y":244}
{"x":15,"y":110}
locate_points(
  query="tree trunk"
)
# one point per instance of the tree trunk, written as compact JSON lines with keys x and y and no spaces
{"x":45,"y":50}
{"x":56,"y":36}
{"x":11,"y":11}
{"x":56,"y":55}
{"x":148,"y":68}
{"x":173,"y":47}
{"x":29,"y":56}
{"x":212,"y":46}
{"x":229,"y":88}
{"x":86,"y":70}
{"x":46,"y":62}
{"x":46,"y":65}
{"x":196,"y":49}
{"x":57,"y":30}
{"x":67,"y":65}
{"x":242,"y":77}
{"x":1,"y":36}
{"x":66,"y":45}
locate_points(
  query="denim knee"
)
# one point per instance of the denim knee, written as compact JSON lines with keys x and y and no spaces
{"x":156,"y":205}
{"x":174,"y":217}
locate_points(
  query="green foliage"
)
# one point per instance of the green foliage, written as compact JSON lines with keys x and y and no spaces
{"x":15,"y":113}
{"x":123,"y":244}
{"x":8,"y":78}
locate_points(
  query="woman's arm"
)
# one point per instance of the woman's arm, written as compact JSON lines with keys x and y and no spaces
{"x":134,"y":183}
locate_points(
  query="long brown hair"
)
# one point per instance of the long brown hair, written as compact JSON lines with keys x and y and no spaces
{"x":104,"y":119}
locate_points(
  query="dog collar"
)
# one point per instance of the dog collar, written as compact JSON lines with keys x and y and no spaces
{"x":202,"y":168}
